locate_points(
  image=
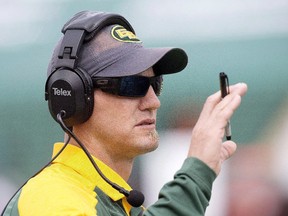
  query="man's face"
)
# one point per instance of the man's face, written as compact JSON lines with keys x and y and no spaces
{"x":125,"y":127}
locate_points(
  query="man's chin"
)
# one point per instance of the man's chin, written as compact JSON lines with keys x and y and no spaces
{"x":154,"y":136}
{"x":153,"y":141}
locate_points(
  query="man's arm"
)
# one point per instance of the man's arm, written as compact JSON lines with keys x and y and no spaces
{"x":188,"y":194}
{"x":190,"y":191}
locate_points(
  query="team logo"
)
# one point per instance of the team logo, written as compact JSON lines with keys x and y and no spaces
{"x":121,"y":34}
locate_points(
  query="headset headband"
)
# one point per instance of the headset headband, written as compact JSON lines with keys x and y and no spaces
{"x":84,"y":26}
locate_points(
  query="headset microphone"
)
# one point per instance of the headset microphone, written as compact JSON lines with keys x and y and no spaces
{"x":134,"y":198}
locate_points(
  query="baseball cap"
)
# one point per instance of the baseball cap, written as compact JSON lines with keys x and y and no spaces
{"x":116,"y":52}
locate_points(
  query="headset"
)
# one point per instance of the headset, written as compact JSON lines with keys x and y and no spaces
{"x":69,"y":88}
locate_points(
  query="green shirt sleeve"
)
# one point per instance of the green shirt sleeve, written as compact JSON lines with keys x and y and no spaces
{"x":188,"y":194}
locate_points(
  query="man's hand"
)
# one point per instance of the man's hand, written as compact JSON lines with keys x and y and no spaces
{"x":206,"y":143}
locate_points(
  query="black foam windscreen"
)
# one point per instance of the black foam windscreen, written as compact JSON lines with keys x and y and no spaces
{"x":135,"y":198}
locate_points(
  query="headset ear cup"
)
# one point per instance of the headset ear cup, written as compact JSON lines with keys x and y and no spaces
{"x":68,"y":90}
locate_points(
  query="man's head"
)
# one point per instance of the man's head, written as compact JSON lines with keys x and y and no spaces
{"x":101,"y":51}
{"x":102,"y":45}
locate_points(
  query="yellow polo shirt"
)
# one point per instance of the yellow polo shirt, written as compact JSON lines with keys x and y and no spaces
{"x":71,"y":186}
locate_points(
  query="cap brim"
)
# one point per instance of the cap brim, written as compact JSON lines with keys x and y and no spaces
{"x":163,"y":61}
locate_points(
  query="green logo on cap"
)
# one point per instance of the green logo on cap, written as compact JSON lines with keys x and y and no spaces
{"x":121,"y":34}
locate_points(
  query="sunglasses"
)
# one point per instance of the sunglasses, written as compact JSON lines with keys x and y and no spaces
{"x":129,"y":86}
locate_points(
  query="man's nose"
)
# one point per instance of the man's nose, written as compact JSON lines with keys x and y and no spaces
{"x":150,"y":100}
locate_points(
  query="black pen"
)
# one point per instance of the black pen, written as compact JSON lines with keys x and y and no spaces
{"x":224,"y":87}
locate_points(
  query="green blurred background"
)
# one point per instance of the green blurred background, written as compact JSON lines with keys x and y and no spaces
{"x":246,"y":39}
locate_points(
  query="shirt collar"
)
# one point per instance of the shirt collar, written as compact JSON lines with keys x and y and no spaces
{"x":76,"y":158}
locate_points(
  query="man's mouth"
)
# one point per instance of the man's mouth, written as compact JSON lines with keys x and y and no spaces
{"x":147,"y":122}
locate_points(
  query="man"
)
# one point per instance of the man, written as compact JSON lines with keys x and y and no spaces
{"x":111,"y":118}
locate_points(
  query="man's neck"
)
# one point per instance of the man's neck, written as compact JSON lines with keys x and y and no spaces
{"x":122,"y":166}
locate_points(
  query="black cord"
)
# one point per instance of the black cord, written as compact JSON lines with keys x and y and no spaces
{"x":134,"y":198}
{"x":71,"y":134}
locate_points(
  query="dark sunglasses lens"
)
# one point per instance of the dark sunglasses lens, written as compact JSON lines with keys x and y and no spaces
{"x":156,"y":83}
{"x":134,"y":86}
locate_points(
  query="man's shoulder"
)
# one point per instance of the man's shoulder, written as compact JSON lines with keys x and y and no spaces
{"x":57,"y":187}
{"x":57,"y":178}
